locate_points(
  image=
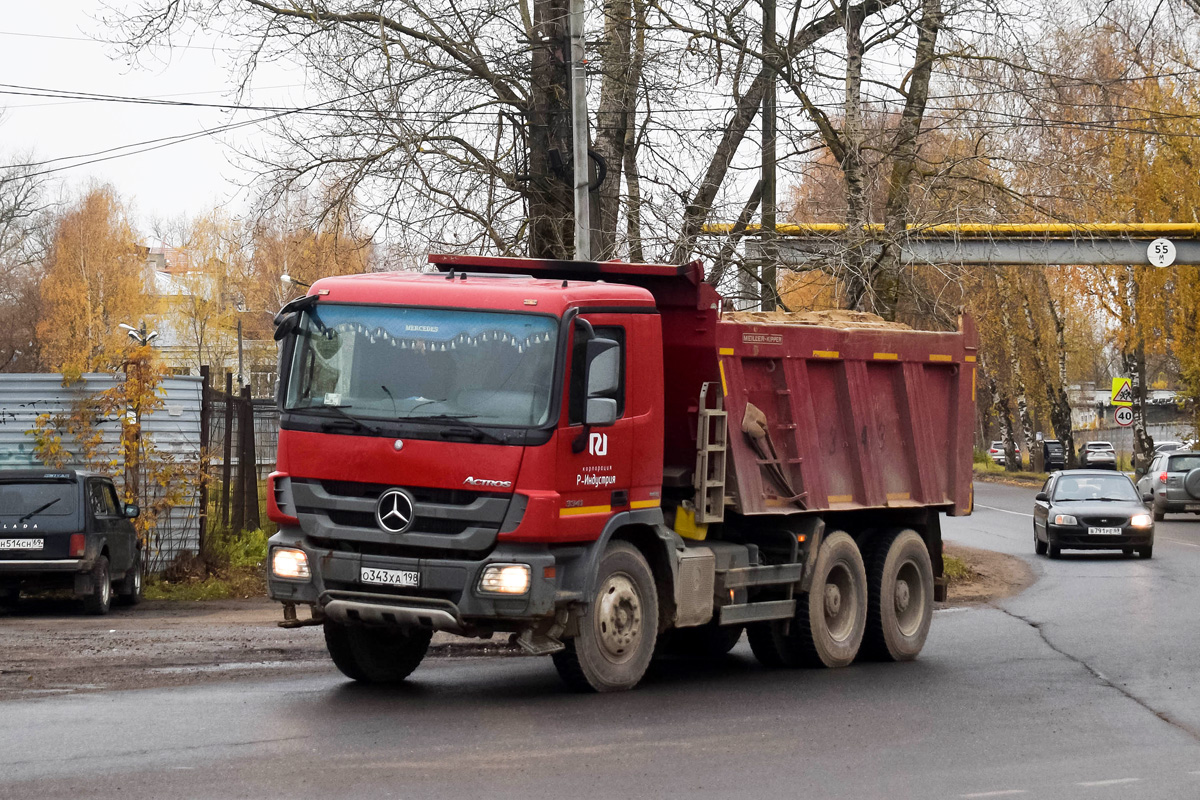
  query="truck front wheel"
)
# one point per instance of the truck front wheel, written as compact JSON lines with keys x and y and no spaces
{"x":617,"y":632}
{"x":901,"y":597}
{"x":375,"y":655}
{"x":830,"y":619}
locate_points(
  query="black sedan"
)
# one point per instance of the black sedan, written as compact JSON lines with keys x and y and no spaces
{"x":1084,"y":509}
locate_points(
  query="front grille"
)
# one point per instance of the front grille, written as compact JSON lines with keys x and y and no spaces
{"x":359,"y":519}
{"x":455,"y":520}
{"x":1105,"y":522}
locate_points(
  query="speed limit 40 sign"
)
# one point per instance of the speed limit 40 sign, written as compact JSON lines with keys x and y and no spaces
{"x":1123,"y":415}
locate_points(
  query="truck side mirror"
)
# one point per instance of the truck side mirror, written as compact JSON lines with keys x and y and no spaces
{"x":132,"y":511}
{"x":603,"y":361}
{"x":603,"y":364}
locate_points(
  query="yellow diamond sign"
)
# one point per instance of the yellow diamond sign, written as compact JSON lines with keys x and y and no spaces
{"x":1122,"y":392}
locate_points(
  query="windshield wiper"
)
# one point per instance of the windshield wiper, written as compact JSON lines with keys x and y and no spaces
{"x":341,"y":410}
{"x":38,"y":510}
{"x":464,"y":419}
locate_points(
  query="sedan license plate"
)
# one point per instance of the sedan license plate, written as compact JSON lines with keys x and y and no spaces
{"x":389,"y":577}
{"x":22,"y":544}
{"x":1104,"y":531}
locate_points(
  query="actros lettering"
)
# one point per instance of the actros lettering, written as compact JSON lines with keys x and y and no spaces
{"x":485,"y":482}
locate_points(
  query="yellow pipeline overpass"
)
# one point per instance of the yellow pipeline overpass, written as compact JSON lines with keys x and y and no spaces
{"x":1158,"y":243}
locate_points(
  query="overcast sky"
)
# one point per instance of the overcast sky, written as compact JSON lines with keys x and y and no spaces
{"x":47,"y":44}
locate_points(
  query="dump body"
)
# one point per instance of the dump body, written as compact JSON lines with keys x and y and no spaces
{"x":860,"y":418}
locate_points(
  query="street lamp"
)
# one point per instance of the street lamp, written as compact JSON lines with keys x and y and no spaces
{"x":139,"y":335}
{"x":133,"y":416}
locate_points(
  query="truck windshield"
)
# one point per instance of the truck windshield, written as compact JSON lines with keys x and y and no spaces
{"x":490,"y":368}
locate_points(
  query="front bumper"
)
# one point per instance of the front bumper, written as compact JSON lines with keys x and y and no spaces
{"x":1076,"y":537}
{"x":447,"y":598}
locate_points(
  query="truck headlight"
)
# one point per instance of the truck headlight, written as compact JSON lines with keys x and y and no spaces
{"x":504,"y":579}
{"x":1065,"y":519}
{"x":1141,"y":521}
{"x":290,"y":563}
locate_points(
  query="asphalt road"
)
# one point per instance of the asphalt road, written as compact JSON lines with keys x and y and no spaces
{"x":1084,"y":686}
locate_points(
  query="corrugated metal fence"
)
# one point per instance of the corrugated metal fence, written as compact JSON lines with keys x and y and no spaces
{"x":174,"y":429}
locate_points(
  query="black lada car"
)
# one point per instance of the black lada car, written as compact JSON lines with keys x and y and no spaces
{"x":66,"y":529}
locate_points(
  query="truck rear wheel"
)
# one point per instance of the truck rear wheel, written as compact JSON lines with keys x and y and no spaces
{"x":617,"y":633}
{"x":375,"y":655}
{"x":831,"y":617}
{"x":900,"y":597}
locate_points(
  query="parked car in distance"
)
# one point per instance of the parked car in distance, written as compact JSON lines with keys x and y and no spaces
{"x":1054,"y":455}
{"x":1167,"y":447}
{"x":63,"y":529}
{"x":1082,"y":509}
{"x":1174,"y":480}
{"x":1098,"y":455}
{"x":996,"y":451}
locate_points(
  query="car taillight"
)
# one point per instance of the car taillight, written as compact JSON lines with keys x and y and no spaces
{"x":1162,"y":476}
{"x":78,"y":544}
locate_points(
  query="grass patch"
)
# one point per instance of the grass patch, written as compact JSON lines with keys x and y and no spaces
{"x":226,"y":585}
{"x":233,"y":568}
{"x":956,"y":570}
{"x":996,"y":472}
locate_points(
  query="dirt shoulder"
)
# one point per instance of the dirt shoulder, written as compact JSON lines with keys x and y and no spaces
{"x":48,"y":648}
{"x":991,"y":576}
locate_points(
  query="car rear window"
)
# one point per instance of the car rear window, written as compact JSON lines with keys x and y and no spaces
{"x":1183,"y":463}
{"x":1094,"y":487}
{"x":18,"y":498}
{"x":1099,"y":446}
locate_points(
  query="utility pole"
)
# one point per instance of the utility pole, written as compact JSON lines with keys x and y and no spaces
{"x":241,"y":378}
{"x":579,"y":135}
{"x":770,"y":250}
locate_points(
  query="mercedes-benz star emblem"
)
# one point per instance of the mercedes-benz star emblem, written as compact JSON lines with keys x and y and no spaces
{"x":394,"y":511}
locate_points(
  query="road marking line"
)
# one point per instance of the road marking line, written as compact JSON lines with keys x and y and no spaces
{"x":1004,"y":510}
{"x":1000,"y":793}
{"x":1185,"y":544}
{"x":1112,"y":782}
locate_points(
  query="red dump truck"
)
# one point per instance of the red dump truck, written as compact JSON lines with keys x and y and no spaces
{"x":598,"y":460}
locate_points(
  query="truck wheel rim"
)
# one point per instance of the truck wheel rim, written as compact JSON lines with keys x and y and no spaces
{"x":618,"y":617}
{"x":910,"y":610}
{"x":840,"y":603}
{"x":105,"y":590}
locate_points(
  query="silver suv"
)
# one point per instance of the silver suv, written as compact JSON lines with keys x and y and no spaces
{"x":1174,"y":480}
{"x":1098,"y":455}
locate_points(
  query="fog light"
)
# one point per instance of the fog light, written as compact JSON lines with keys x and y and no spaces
{"x":287,"y":562}
{"x":1065,"y":519}
{"x":505,"y":579}
{"x":1141,"y":521}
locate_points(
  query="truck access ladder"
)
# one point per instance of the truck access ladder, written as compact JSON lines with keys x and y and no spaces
{"x":711,"y":447}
